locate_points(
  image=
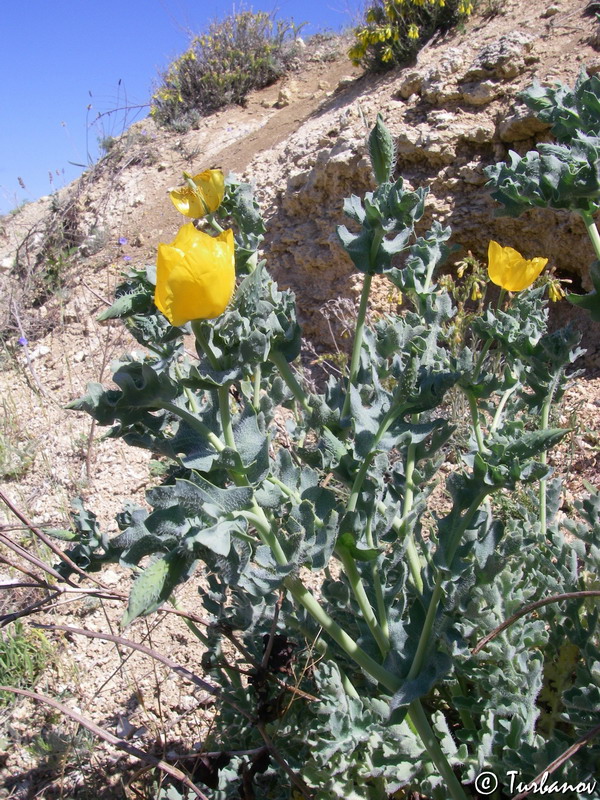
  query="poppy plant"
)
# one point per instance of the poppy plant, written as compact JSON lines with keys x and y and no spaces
{"x":200,"y":195}
{"x":507,"y":268}
{"x":195,"y":275}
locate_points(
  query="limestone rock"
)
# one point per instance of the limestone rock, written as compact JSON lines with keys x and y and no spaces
{"x":505,"y":58}
{"x":411,"y":84}
{"x":521,"y":124}
{"x":480,"y":93}
{"x":284,"y":98}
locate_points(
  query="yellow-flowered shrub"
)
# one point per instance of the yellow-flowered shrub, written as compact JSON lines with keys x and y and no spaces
{"x":244,"y":51}
{"x":395,"y":30}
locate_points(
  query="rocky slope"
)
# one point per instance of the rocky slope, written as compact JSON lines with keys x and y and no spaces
{"x":452,"y":113}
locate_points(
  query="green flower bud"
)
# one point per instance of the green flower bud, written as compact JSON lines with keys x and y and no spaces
{"x":381,"y":151}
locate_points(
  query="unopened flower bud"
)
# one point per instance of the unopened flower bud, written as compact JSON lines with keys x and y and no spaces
{"x":381,"y":151}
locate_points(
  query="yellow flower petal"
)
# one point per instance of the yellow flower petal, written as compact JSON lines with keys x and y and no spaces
{"x":507,"y":268}
{"x":195,"y":275}
{"x":204,"y":198}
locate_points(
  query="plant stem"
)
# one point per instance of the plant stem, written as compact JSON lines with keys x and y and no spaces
{"x":545,"y":417}
{"x":411,"y":550}
{"x":204,"y":345}
{"x":303,"y":596}
{"x":213,"y":223}
{"x":476,"y":423}
{"x":225,"y":414}
{"x":414,"y":563}
{"x":436,"y":596}
{"x":377,"y":585}
{"x":500,"y":408}
{"x":384,"y":425}
{"x":416,"y":718}
{"x":291,"y":493}
{"x":428,"y":737}
{"x":258,"y":518}
{"x":188,"y":392}
{"x":358,"y":340}
{"x":256,"y":387}
{"x":481,"y":359}
{"x":391,"y":682}
{"x":194,"y":423}
{"x":360,"y":477}
{"x":357,"y":587}
{"x":592,"y":231}
{"x":288,"y":376}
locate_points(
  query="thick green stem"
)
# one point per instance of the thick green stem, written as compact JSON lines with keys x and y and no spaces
{"x":225,"y":414}
{"x":414,"y":562}
{"x":288,"y":376}
{"x":545,"y":417}
{"x":291,"y":493}
{"x":544,"y":421}
{"x":499,"y":410}
{"x":358,"y":340}
{"x":257,"y":517}
{"x":194,"y":423}
{"x":360,"y":478}
{"x":416,"y":717}
{"x":411,"y":550}
{"x":303,"y":596}
{"x":436,"y":596}
{"x":481,"y":359}
{"x":592,"y":232}
{"x":256,"y":387}
{"x":358,"y":589}
{"x":377,"y":584}
{"x":434,"y":750}
{"x":476,"y":423}
{"x":214,"y":224}
{"x":384,"y":425}
{"x":204,"y":345}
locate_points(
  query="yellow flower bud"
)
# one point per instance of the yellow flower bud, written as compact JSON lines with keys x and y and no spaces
{"x":413,"y":31}
{"x":202,"y":194}
{"x":195,"y":275}
{"x":555,"y":291}
{"x":507,"y":268}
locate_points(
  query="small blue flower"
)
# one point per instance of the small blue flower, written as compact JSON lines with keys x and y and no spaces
{"x":122,"y":240}
{"x":126,"y":258}
{"x":22,"y":341}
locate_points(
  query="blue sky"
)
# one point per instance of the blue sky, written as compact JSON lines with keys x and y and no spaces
{"x":57,"y":57}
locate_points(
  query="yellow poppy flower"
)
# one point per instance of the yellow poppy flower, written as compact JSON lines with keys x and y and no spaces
{"x":507,"y":268}
{"x":204,"y":197}
{"x":195,"y":275}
